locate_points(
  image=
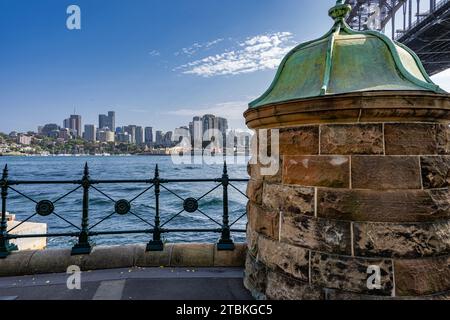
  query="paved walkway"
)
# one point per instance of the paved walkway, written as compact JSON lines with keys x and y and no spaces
{"x":131,"y":284}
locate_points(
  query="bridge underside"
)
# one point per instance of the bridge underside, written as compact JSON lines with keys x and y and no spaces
{"x":428,"y":33}
{"x":430,"y":39}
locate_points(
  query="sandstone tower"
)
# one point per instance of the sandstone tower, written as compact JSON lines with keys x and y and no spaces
{"x":363,"y":185}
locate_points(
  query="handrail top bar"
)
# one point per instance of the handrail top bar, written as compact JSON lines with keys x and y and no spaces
{"x":93,"y":181}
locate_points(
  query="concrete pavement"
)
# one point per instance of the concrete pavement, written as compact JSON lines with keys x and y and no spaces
{"x":131,"y":284}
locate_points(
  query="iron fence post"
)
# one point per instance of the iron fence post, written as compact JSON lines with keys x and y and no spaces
{"x":225,"y":242}
{"x":83,"y":246}
{"x":156,"y":244}
{"x":5,"y":246}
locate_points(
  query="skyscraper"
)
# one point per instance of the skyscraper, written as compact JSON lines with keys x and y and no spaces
{"x":90,"y":133}
{"x":139,"y":135}
{"x":149,"y":136}
{"x":131,"y":130}
{"x":181,"y":134}
{"x":107,"y":121}
{"x":75,"y":125}
{"x":208,"y":121}
{"x":222,"y":124}
{"x":168,"y":141}
{"x":159,"y":139}
{"x":49,"y":128}
{"x":103,"y":121}
{"x":197,"y":132}
{"x":111,"y":120}
{"x":66,"y":124}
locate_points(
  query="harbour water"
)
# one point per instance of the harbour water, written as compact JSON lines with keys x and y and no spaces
{"x":129,"y":167}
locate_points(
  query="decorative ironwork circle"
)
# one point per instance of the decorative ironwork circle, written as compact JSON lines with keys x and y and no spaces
{"x":190,"y":205}
{"x":45,"y":208}
{"x":122,"y":207}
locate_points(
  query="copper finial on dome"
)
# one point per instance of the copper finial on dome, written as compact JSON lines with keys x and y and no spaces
{"x":340,"y":11}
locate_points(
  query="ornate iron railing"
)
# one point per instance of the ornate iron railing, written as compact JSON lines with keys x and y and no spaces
{"x":122,"y":207}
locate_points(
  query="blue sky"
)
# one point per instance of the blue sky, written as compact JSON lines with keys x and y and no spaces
{"x":155,"y":62}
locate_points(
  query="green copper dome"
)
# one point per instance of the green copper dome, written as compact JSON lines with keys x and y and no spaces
{"x":345,"y":61}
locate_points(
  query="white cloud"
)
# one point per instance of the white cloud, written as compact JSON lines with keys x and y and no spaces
{"x":261,"y":52}
{"x":154,"y":53}
{"x":443,"y":79}
{"x":196,"y":47}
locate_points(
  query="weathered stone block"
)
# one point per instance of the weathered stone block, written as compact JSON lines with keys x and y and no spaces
{"x":321,"y":171}
{"x":351,"y":139}
{"x":54,"y":261}
{"x":402,"y":240}
{"x":256,"y":172}
{"x":278,"y":176}
{"x":350,"y":273}
{"x":416,"y":139}
{"x":196,"y":255}
{"x":316,"y":234}
{"x":380,"y":172}
{"x":255,"y":279}
{"x":252,"y":241}
{"x":153,"y":258}
{"x":264,"y":221}
{"x":289,"y":198}
{"x":287,"y":258}
{"x":16,"y":264}
{"x":230,"y":258}
{"x":422,"y":276}
{"x":110,"y":257}
{"x":255,"y":190}
{"x":281,"y":287}
{"x":299,"y":141}
{"x":383,"y":206}
{"x":435,"y":172}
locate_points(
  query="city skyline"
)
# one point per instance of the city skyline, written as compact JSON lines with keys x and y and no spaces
{"x":201,"y":129}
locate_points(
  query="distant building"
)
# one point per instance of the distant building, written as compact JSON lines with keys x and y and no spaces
{"x":197,"y":132}
{"x":49,"y":128}
{"x":180,"y":133}
{"x":208,"y":121}
{"x":139,"y":135}
{"x":54,"y":134}
{"x":90,"y":133}
{"x":149,"y":136}
{"x":111,"y":120}
{"x":103,"y":121}
{"x":167,"y":140}
{"x":66,"y":124}
{"x":124,"y":137}
{"x":105,"y":136}
{"x":131,"y":130}
{"x":75,"y":125}
{"x":65,"y":134}
{"x":159,"y":142}
{"x":107,"y":121}
{"x":222,"y":126}
{"x":24,"y":139}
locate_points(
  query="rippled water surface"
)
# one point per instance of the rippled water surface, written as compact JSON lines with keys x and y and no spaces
{"x":132,"y":167}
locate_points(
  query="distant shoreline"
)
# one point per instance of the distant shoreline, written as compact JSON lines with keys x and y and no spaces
{"x":81,"y":155}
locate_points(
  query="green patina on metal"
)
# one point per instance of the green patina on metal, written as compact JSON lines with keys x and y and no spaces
{"x":345,"y":61}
